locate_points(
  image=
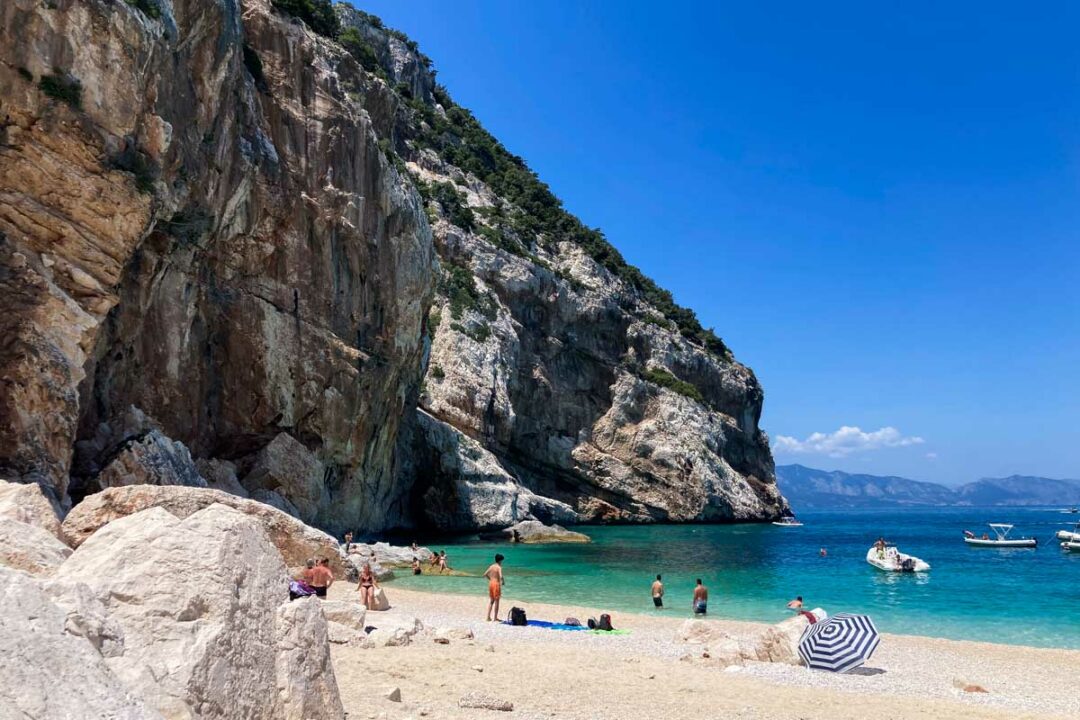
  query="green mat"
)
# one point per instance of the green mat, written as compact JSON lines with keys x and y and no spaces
{"x":610,"y":632}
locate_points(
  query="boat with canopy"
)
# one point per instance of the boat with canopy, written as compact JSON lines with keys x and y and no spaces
{"x":1001,"y":539}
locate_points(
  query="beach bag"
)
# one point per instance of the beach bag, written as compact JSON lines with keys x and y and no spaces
{"x":605,"y":623}
{"x":517,"y":616}
{"x":592,"y":623}
{"x":572,"y":622}
{"x":299,"y":589}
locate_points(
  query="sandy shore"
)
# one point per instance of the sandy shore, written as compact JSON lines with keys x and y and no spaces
{"x":649,"y":675}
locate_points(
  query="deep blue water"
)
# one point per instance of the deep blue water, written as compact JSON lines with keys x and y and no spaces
{"x":1020,"y":596}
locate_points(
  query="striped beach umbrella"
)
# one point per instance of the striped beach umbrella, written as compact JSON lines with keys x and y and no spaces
{"x":841,"y":643}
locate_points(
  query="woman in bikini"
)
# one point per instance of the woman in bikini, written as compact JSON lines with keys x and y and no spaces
{"x":367,"y":587}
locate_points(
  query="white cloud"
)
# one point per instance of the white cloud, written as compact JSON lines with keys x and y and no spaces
{"x":844,"y":442}
{"x":931,"y":456}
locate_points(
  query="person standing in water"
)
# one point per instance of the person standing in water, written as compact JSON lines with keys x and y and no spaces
{"x":658,"y":592}
{"x":701,"y":599}
{"x":494,"y":575}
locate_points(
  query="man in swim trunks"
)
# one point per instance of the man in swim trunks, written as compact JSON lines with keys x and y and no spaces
{"x":494,"y":575}
{"x":796,"y":604}
{"x":701,"y":598}
{"x":658,"y":592}
{"x":322,"y":577}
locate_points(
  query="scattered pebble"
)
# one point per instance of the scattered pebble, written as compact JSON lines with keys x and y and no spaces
{"x":394,"y":695}
{"x":478,"y":668}
{"x":442,"y":641}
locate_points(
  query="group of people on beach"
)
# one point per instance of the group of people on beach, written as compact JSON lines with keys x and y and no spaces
{"x":699,"y":603}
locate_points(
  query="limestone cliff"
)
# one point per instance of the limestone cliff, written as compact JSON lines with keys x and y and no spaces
{"x":198,"y":223}
{"x":218,"y":240}
{"x":561,"y":382}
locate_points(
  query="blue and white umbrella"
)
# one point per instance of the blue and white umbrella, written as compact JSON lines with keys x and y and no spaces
{"x":840,"y":643}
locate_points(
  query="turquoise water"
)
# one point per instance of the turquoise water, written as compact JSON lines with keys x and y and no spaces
{"x":1019,"y":596}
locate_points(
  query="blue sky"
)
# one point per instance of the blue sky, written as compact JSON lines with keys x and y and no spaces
{"x":877,"y":205}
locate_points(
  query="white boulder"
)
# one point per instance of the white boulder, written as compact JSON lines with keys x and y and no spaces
{"x":26,"y":503}
{"x":199,"y":603}
{"x":49,"y":672}
{"x":306,"y":686}
{"x":30,"y":548}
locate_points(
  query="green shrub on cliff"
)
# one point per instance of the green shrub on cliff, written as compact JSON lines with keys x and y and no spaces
{"x":363,"y":52}
{"x":455,"y":208}
{"x":459,"y":286}
{"x":149,"y":8}
{"x":318,"y":14}
{"x":460,"y":139}
{"x":661,"y":377}
{"x":61,"y":86}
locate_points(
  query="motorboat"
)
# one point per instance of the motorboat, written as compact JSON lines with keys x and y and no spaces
{"x":787,"y":521}
{"x":1071,"y":546}
{"x":1001,"y":539}
{"x":890,"y":559}
{"x":1069,"y":535}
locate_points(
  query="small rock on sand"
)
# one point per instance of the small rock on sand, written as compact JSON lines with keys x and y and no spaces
{"x":394,"y":695}
{"x":478,"y":668}
{"x":481,"y":701}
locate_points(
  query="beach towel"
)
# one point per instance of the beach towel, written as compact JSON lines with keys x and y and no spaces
{"x":548,"y":625}
{"x":299,"y":589}
{"x":610,"y":632}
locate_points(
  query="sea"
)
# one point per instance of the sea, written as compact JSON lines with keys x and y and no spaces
{"x":1015,"y":596}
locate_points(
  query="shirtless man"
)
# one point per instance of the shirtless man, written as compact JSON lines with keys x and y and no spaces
{"x":658,"y":592}
{"x":322,"y":577}
{"x":494,"y":575}
{"x":701,"y":599}
{"x":796,"y":604}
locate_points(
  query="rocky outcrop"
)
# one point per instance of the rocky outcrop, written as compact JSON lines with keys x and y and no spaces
{"x":562,"y":384}
{"x":196,"y":219}
{"x":30,"y":548}
{"x":218,"y":243}
{"x":207,"y":626}
{"x":535,"y":532}
{"x":151,"y":460}
{"x":26,"y":503}
{"x":295,"y":541}
{"x":48,"y":669}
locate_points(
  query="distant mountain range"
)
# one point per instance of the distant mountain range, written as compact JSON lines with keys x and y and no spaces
{"x":807,"y":488}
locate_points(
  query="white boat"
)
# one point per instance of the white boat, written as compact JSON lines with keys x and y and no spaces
{"x":890,"y":559}
{"x":1069,"y":535}
{"x":1071,"y":547}
{"x":788,"y":521}
{"x":1002,"y":539}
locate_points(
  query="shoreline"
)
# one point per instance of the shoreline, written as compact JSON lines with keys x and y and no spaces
{"x":648,"y":674}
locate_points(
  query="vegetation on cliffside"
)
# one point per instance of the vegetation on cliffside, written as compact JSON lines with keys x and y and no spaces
{"x":539,"y":217}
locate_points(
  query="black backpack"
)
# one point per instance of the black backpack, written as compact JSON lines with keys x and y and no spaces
{"x":517,"y":616}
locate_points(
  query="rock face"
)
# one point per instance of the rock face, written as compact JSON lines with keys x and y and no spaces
{"x":208,"y":629}
{"x":295,"y":541}
{"x":30,"y":548}
{"x":231,"y":246}
{"x":196,"y":220}
{"x":27,"y":504}
{"x":535,"y":532}
{"x":50,"y":670}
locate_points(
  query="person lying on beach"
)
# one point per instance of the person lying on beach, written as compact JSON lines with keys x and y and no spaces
{"x":416,"y":566}
{"x":322,"y":577}
{"x":658,"y":592}
{"x":701,"y":599}
{"x":367,"y":586}
{"x":494,"y":575}
{"x":795,"y":604}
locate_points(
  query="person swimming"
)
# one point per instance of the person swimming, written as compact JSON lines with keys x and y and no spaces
{"x":796,"y":604}
{"x":701,"y":599}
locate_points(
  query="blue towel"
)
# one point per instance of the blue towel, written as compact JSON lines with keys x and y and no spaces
{"x":551,"y":625}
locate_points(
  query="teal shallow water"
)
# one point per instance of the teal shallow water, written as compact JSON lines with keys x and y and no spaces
{"x":1018,"y":596}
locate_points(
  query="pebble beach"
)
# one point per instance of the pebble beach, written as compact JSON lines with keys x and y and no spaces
{"x":650,"y":674}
